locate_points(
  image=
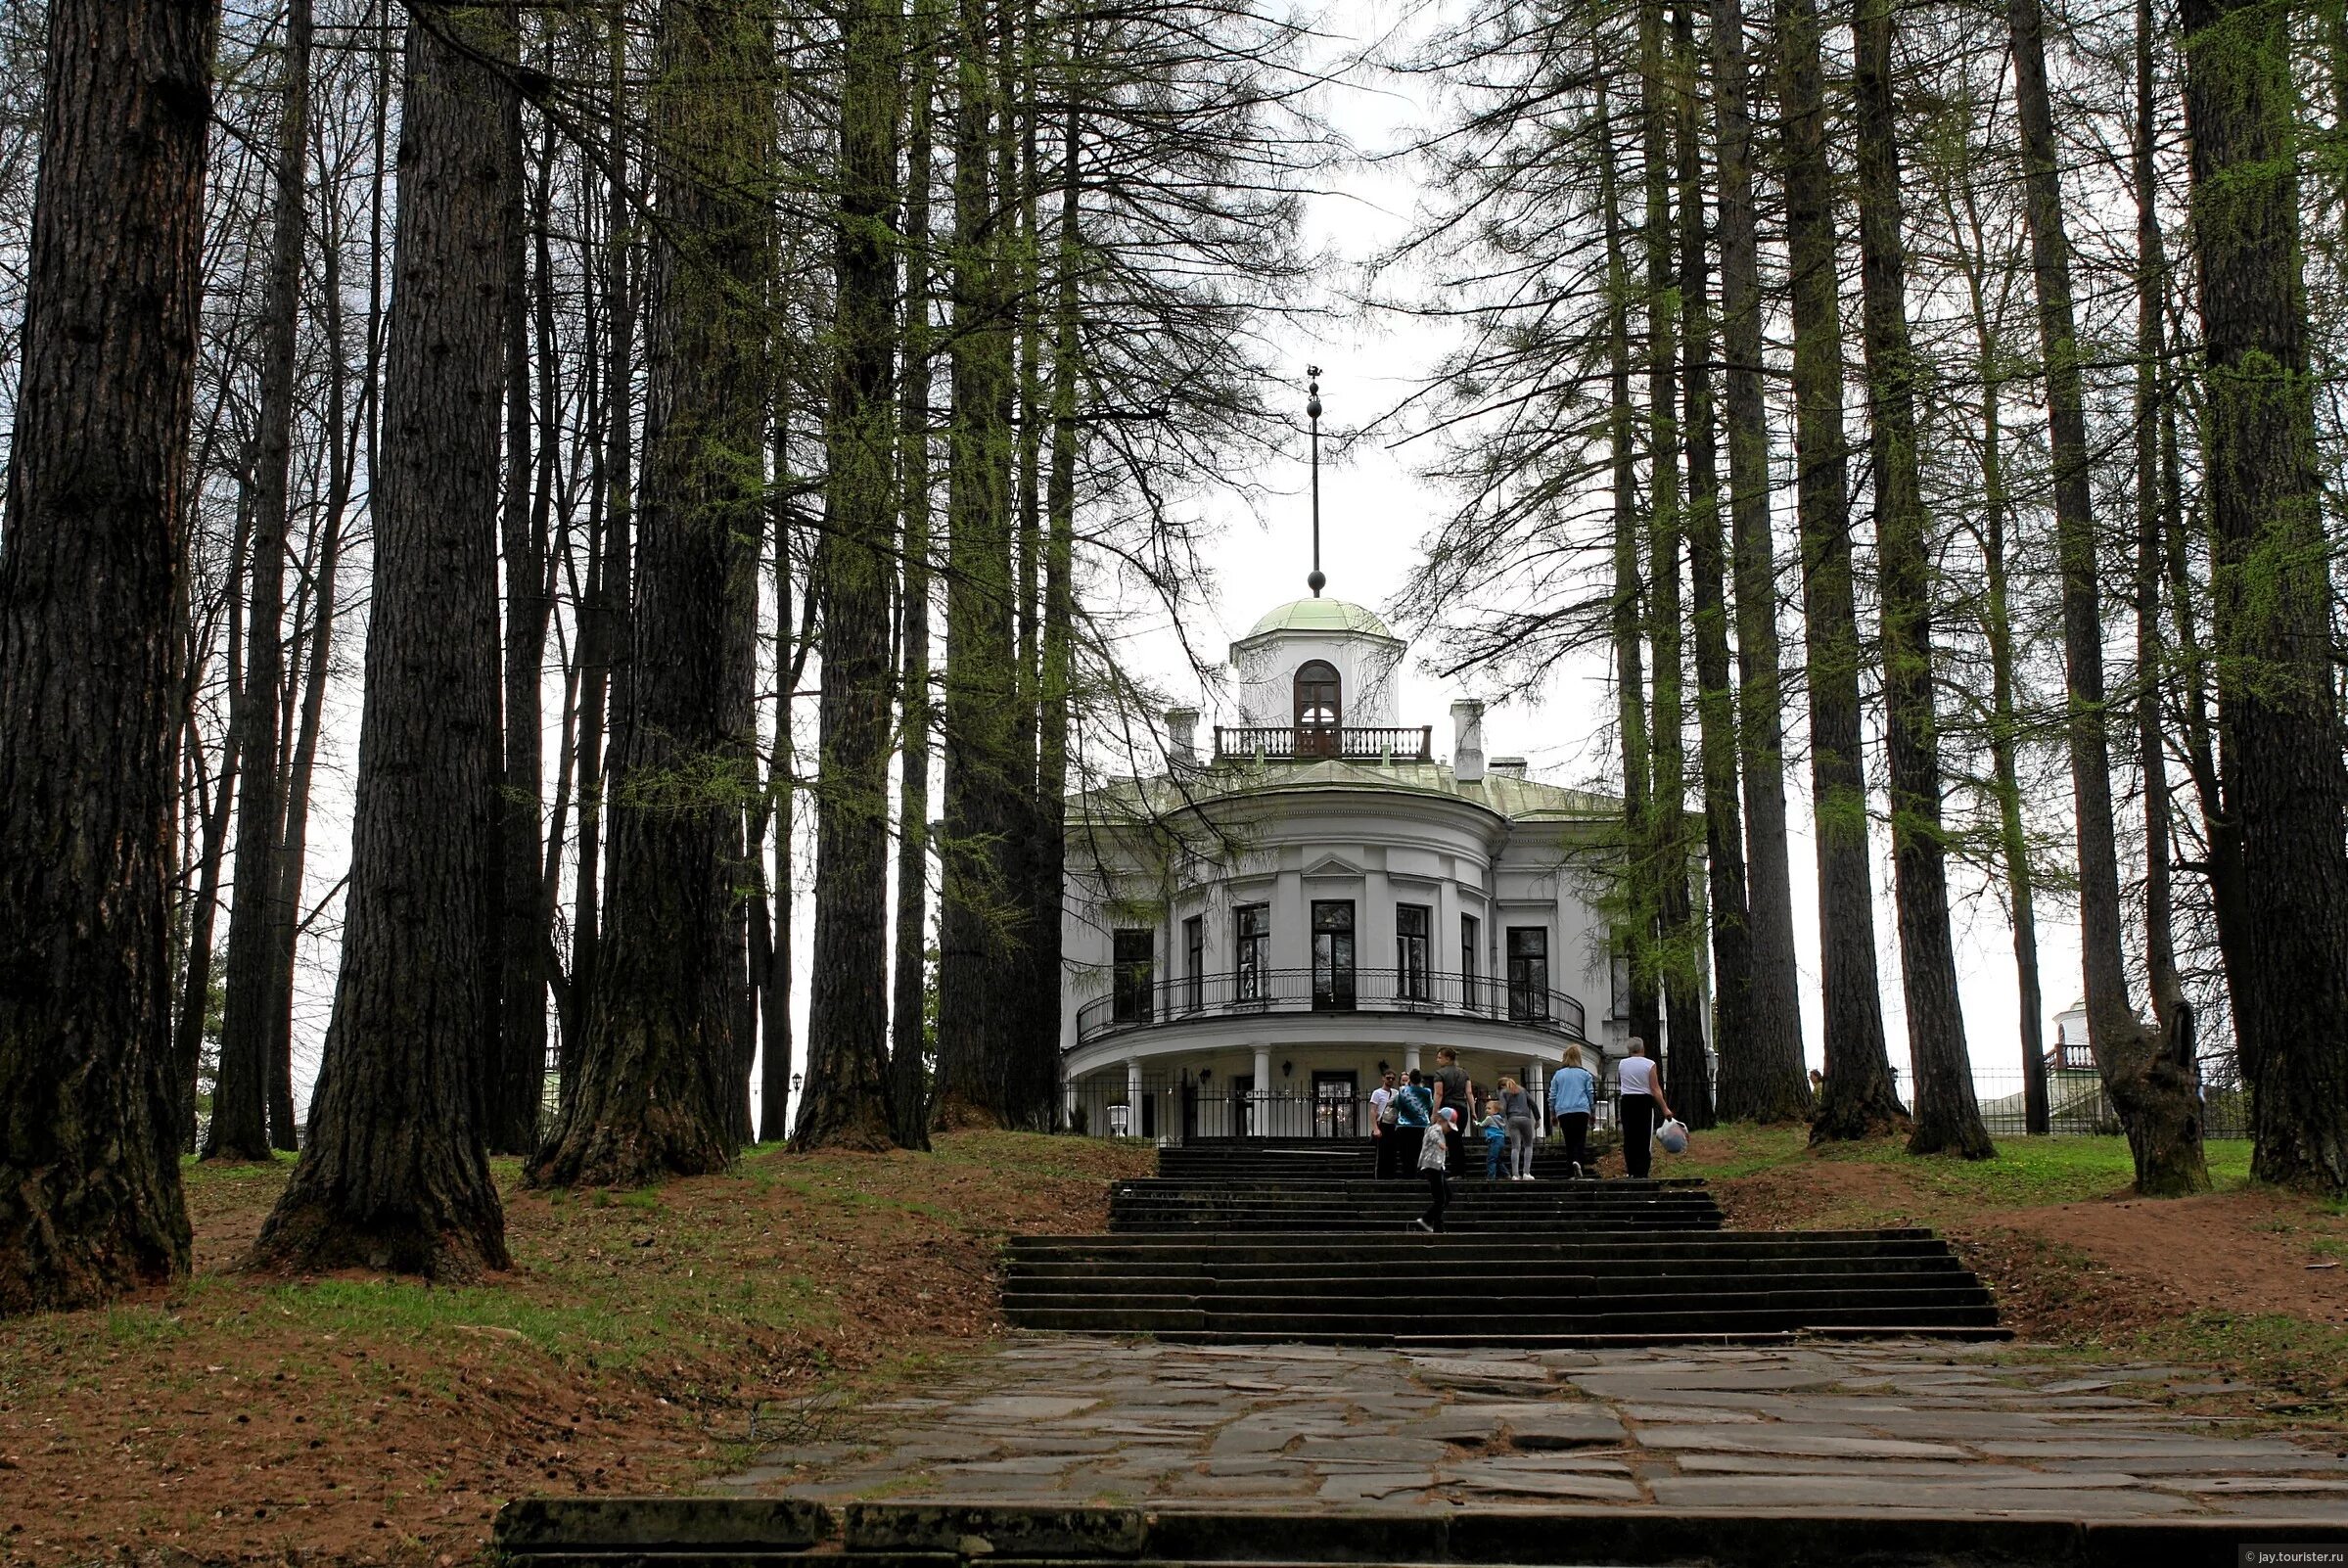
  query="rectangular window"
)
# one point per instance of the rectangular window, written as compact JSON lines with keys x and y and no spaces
{"x":1333,"y":953}
{"x":1410,"y":924}
{"x":1194,"y":959}
{"x":1528,"y":972}
{"x":1252,"y":929}
{"x":1471,"y":945}
{"x":1133,"y":955}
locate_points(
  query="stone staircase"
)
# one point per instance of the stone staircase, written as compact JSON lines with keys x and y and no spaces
{"x":1253,"y":1243}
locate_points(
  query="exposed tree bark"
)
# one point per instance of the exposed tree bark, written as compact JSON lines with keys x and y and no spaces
{"x":246,"y":1021}
{"x":846,"y":1102}
{"x":2280,"y":731}
{"x":660,"y":1060}
{"x":2157,"y":1097}
{"x":1762,"y":1078}
{"x":394,"y":1175}
{"x":93,"y":583}
{"x":1860,"y":1098}
{"x":1947,"y":1118}
{"x":908,"y":1071}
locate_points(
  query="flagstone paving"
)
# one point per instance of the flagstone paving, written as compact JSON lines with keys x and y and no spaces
{"x":1887,"y":1428}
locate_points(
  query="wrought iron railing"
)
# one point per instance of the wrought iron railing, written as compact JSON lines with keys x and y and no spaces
{"x":1401,"y":744}
{"x":1135,"y":1003}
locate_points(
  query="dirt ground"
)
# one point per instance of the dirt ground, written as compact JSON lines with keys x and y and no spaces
{"x":639,"y":1342}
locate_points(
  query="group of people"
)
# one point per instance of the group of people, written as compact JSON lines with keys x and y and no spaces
{"x":1420,"y":1120}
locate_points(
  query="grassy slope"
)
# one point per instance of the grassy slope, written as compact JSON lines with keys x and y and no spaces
{"x":633,"y":1346}
{"x":2138,"y":1288}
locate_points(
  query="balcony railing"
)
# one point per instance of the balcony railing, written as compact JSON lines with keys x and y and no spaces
{"x":1237,"y":994}
{"x":1309,"y":742}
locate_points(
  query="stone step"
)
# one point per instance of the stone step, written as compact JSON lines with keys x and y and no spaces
{"x":1503,"y":1277}
{"x":1525,"y":1244}
{"x":706,"y":1532}
{"x":1447,"y":1323}
{"x":1432,"y":1309}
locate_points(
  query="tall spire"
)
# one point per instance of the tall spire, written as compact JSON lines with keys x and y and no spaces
{"x":1313,"y":412}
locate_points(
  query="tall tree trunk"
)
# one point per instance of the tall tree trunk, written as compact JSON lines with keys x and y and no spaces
{"x":604,"y":616}
{"x":977,"y":1019}
{"x":1997,"y":629}
{"x":246,"y":1032}
{"x":94,"y":559}
{"x":781,"y":795}
{"x":659,"y":1061}
{"x":1947,"y":1118}
{"x":908,"y":1071}
{"x":2279,"y":726}
{"x":195,"y":985}
{"x":2157,"y":1096}
{"x":846,"y":1097}
{"x":394,"y":1175}
{"x":1716,"y":699}
{"x":2151,"y":390}
{"x":1761,"y":1080}
{"x":1860,"y":1097}
{"x":1055,"y":692}
{"x":520,"y":1035}
{"x":1629,"y":675}
{"x":1680,"y":945}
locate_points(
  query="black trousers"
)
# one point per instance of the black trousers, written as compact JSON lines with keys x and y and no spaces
{"x":1389,"y":1143}
{"x":1575,"y":1124}
{"x":1638,"y":1133}
{"x":1439,"y":1196}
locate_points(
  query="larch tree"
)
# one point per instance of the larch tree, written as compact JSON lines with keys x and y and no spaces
{"x":908,"y":1024}
{"x":247,"y":1118}
{"x":1762,"y":1078}
{"x":1947,"y":1118}
{"x":2154,"y":1089}
{"x":93,"y":578}
{"x":1731,"y":917}
{"x":2276,"y":652}
{"x":1860,"y":1098}
{"x":847,"y":1096}
{"x":394,"y":1175}
{"x":661,"y":1062}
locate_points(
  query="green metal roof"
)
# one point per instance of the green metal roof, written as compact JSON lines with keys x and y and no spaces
{"x":1320,"y":615}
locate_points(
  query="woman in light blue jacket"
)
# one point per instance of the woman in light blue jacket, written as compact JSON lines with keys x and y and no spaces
{"x":1573,"y":1090}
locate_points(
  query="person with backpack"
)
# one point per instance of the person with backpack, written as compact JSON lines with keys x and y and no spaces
{"x":1413,"y":1107}
{"x":1434,"y":1164}
{"x":1640,"y":1089}
{"x":1573,"y":1095}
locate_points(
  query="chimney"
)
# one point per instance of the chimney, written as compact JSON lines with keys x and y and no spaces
{"x":1182,"y":736}
{"x":1467,"y":741}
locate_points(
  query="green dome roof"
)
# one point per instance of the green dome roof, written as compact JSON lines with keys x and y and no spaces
{"x":1320,"y":615}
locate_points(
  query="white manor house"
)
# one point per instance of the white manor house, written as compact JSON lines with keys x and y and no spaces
{"x":1312,"y":898}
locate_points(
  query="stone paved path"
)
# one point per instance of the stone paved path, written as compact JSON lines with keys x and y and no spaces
{"x":1887,"y":1428}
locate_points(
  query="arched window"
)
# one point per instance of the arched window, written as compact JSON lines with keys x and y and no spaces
{"x":1320,"y":710}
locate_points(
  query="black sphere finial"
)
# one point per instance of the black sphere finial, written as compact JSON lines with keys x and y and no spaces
{"x":1313,"y":412}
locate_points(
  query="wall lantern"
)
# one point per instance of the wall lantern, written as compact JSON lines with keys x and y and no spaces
{"x":1287,"y":1068}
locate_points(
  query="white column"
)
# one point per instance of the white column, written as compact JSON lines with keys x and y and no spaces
{"x":1258,"y":1117}
{"x":1134,"y":1096}
{"x":1410,"y":1058}
{"x":1068,"y":1093}
{"x":1539,"y":1090}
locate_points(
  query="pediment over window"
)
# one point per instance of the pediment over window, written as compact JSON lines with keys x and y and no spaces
{"x":1332,"y":865}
